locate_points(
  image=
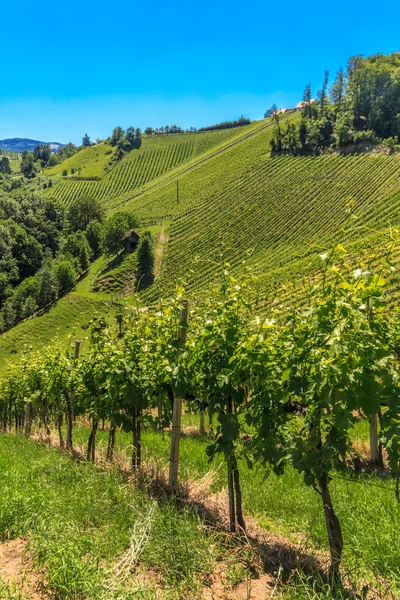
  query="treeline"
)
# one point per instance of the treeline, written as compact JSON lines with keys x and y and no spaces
{"x":44,"y":249}
{"x":361,"y":107}
{"x":226,"y":125}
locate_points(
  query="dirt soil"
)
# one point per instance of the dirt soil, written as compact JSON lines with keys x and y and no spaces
{"x":16,"y":570}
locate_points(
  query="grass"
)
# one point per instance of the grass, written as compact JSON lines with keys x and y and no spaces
{"x":68,"y":317}
{"x":80,"y":521}
{"x":365,"y":503}
{"x":92,"y":161}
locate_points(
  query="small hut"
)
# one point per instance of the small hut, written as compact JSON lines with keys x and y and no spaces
{"x":131,"y":240}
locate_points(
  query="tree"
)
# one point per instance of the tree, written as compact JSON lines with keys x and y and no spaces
{"x":323,"y":93}
{"x":82,"y":211}
{"x":307,"y":102}
{"x":42,"y":153}
{"x":86,"y":140}
{"x":66,"y":275}
{"x":149,"y":131}
{"x":93,"y":235}
{"x":145,"y":272}
{"x":117,"y":134}
{"x":5,"y":166}
{"x":337,"y":90}
{"x":29,"y":307}
{"x":77,"y":247}
{"x":115,"y":228}
{"x":47,"y":284}
{"x":28,"y":167}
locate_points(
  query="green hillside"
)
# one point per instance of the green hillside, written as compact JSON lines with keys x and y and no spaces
{"x":235,"y":202}
{"x":96,"y":171}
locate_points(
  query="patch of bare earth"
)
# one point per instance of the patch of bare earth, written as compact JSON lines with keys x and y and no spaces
{"x":158,"y":258}
{"x":16,"y":570}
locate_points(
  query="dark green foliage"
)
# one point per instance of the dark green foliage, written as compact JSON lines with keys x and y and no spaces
{"x":66,"y":151}
{"x":5,"y":168}
{"x":86,"y":140}
{"x":362,"y":107}
{"x":28,"y":166}
{"x":66,"y":275}
{"x":82,"y":211}
{"x":114,"y":230}
{"x":77,"y":247}
{"x":42,"y":153}
{"x":227,"y":124}
{"x":93,"y":235}
{"x":47,"y":284}
{"x":145,"y":272}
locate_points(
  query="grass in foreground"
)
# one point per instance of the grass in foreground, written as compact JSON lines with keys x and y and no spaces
{"x":285,"y":506}
{"x":98,"y":536}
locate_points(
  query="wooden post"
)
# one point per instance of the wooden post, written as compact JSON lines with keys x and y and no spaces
{"x":373,"y":439}
{"x":177,"y":407}
{"x":202,"y":430}
{"x":70,"y":401}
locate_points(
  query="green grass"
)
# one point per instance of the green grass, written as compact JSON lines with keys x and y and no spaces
{"x":68,"y":317}
{"x":366,"y":504}
{"x":92,"y":161}
{"x":285,"y":506}
{"x":79,"y":522}
{"x":118,"y":275}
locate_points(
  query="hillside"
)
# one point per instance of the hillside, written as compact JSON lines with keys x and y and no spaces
{"x":20,"y":144}
{"x":234,"y":202}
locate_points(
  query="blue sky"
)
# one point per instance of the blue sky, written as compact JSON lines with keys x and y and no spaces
{"x":87,"y":66}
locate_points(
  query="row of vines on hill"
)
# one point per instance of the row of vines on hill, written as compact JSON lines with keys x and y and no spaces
{"x":129,"y":174}
{"x":282,"y":391}
{"x":282,"y":210}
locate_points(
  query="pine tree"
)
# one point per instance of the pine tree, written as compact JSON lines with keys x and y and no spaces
{"x":86,"y":140}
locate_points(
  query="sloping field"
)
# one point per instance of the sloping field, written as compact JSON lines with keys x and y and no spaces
{"x":96,"y":173}
{"x":92,"y":161}
{"x":282,"y":211}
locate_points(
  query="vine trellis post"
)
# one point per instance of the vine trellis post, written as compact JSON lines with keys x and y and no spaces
{"x":177,"y":406}
{"x":70,"y":401}
{"x":373,"y":439}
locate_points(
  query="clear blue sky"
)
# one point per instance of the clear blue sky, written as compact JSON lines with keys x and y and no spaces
{"x":87,"y":66}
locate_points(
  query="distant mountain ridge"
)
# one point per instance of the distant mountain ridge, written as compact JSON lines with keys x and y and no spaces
{"x":20,"y":144}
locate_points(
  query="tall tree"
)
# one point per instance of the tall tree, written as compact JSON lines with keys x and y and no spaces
{"x":323,"y":93}
{"x":145,"y":272}
{"x":86,"y":140}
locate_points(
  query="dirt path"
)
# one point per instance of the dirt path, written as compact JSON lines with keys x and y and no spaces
{"x":16,"y":570}
{"x":159,"y":252}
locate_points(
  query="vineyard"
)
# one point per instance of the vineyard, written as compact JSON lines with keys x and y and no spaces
{"x":96,"y":173}
{"x":280,"y":213}
{"x":284,"y":395}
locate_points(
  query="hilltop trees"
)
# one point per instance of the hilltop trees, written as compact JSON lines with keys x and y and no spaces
{"x":42,"y":153}
{"x":361,"y":107}
{"x":86,"y":140}
{"x":28,"y":167}
{"x":227,"y":124}
{"x":125,"y":141}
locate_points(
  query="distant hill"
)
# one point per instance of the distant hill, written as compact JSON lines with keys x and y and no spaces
{"x":20,"y":144}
